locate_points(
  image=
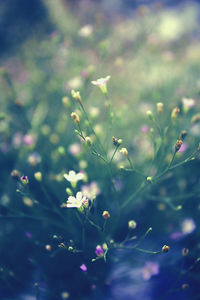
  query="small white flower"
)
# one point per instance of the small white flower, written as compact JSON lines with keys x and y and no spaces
{"x":73,"y":177}
{"x":188,"y":103}
{"x":77,"y":201}
{"x":86,"y":31}
{"x":101,"y":83}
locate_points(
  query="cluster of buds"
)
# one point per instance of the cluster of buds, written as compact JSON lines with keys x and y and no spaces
{"x":76,"y":96}
{"x":124,"y":151}
{"x":175,"y":113}
{"x":178,"y":145}
{"x":75,"y":117}
{"x":116,"y":142}
{"x":159,"y":107}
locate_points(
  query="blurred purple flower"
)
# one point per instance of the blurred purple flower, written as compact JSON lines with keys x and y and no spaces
{"x":144,"y":129}
{"x":28,"y":139}
{"x":150,"y":269}
{"x":83,"y":267}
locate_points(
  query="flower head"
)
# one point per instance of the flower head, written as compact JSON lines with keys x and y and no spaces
{"x":73,"y":177}
{"x":83,"y":267}
{"x":187,"y":103}
{"x":76,"y":202}
{"x":101,"y":83}
{"x":99,"y":250}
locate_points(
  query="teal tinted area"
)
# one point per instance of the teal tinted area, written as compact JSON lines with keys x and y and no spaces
{"x":99,"y":150}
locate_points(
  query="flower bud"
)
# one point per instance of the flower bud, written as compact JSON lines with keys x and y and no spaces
{"x":165,"y":249}
{"x":76,"y":96}
{"x":150,"y":115}
{"x":175,"y":113}
{"x":38,"y":176}
{"x":75,"y":117}
{"x":149,"y":179}
{"x":116,"y":142}
{"x":48,"y":247}
{"x":185,"y":286}
{"x":15,"y":174}
{"x":24,"y":179}
{"x":159,"y":107}
{"x":183,"y":134}
{"x":178,"y":145}
{"x":185,"y":251}
{"x":66,"y":102}
{"x":132,"y":224}
{"x":124,"y":151}
{"x":88,"y":141}
{"x":106,"y":214}
{"x":99,"y":251}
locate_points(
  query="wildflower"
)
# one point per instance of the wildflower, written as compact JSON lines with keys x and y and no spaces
{"x":159,"y":107}
{"x":144,"y":129}
{"x":187,"y":104}
{"x":29,"y":139}
{"x":66,"y":102}
{"x":106,"y":214}
{"x":132,"y":224}
{"x":75,"y":117}
{"x":48,"y":247}
{"x":150,"y":269}
{"x":34,"y":159}
{"x":86,"y":31}
{"x":102,"y":84}
{"x":99,"y":250}
{"x":175,"y":113}
{"x":73,"y":177}
{"x":91,"y":190}
{"x":27,"y":201}
{"x":124,"y":151}
{"x":76,"y":202}
{"x":15,"y":174}
{"x":165,"y":249}
{"x":83,"y":267}
{"x":38,"y":176}
{"x":188,"y":226}
{"x":74,"y":149}
{"x":178,"y":145}
{"x":149,"y":179}
{"x":24,"y":179}
{"x":74,"y":83}
{"x":76,"y":96}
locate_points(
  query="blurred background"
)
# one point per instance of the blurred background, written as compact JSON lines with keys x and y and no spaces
{"x":151,"y":49}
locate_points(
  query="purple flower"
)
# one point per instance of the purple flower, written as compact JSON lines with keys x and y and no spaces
{"x":144,"y":129}
{"x":99,"y":251}
{"x":29,"y":139}
{"x":83,"y":268}
{"x":150,"y":269}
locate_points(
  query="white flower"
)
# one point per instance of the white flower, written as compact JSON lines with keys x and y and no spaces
{"x":73,"y":177}
{"x":188,"y":103}
{"x":77,"y":201}
{"x":101,"y":83}
{"x":86,"y":30}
